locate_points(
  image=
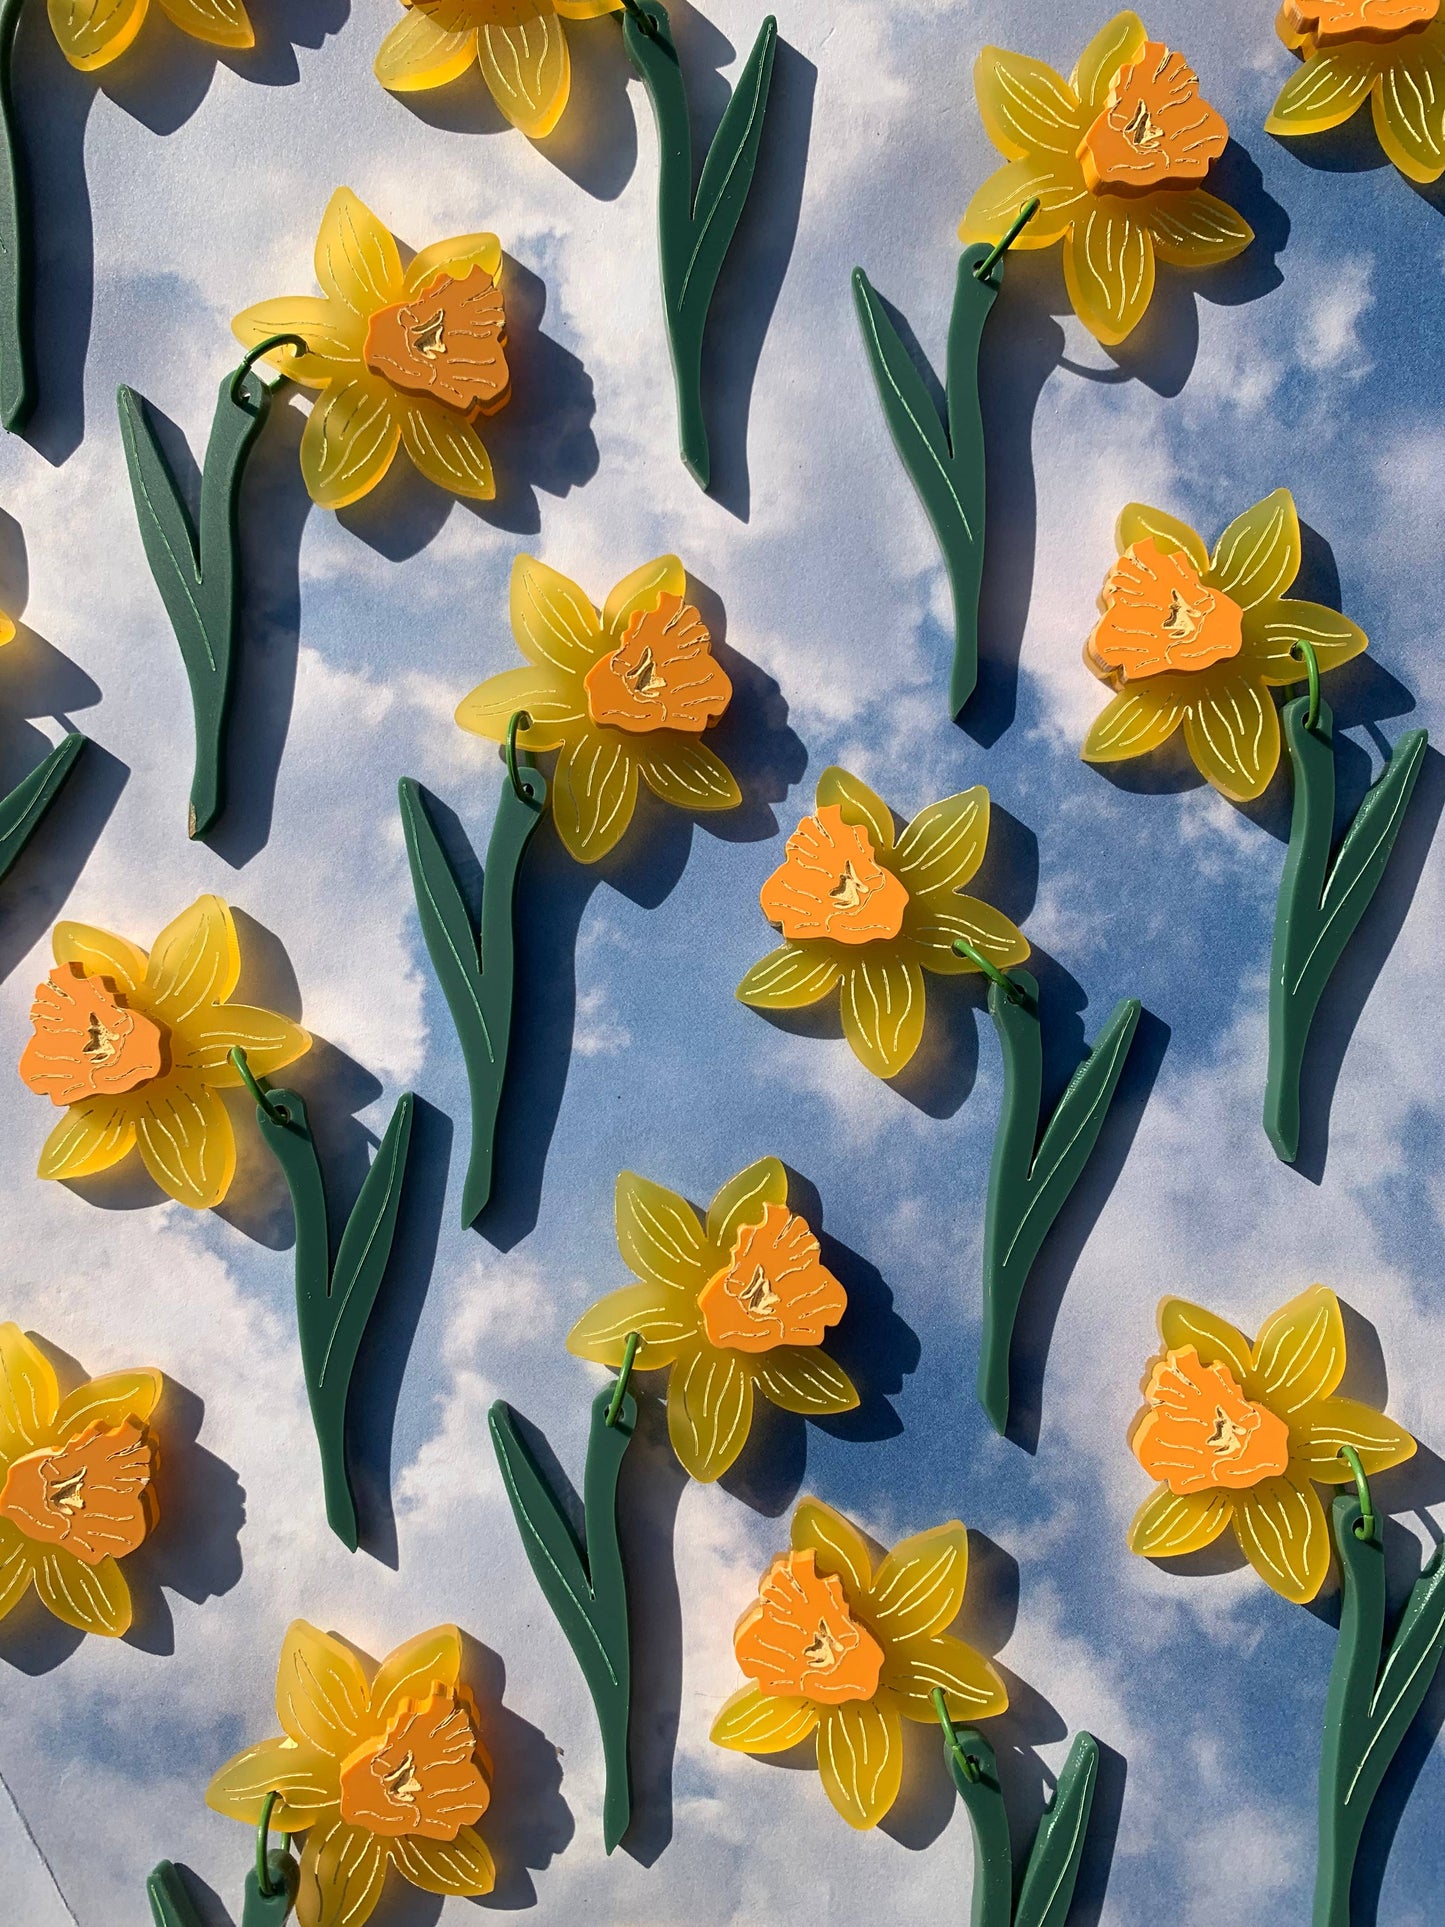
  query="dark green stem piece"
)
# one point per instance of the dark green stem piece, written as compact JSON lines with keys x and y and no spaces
{"x":171,"y":1905}
{"x":17,"y":356}
{"x":1320,"y":905}
{"x":198,"y":574}
{"x":477,"y":974}
{"x":583,"y":1581}
{"x":1370,"y":1706}
{"x":22,"y":809}
{"x":334,"y":1301}
{"x":1053,"y":1870}
{"x":696,"y":231}
{"x":944,"y":458}
{"x":1032,"y":1176}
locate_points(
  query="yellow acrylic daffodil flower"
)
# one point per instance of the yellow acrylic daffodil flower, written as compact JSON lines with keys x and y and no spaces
{"x":404,"y":358}
{"x":519,"y":45}
{"x":77,"y":1487}
{"x":1115,"y":156}
{"x":865,"y":913}
{"x":92,"y":33}
{"x":624,"y":694}
{"x":383,"y":1772}
{"x":135,"y":1050}
{"x":1239,"y":1435}
{"x":734,"y":1307}
{"x":1199,"y":640}
{"x":1391,"y":52}
{"x":834,"y":1648}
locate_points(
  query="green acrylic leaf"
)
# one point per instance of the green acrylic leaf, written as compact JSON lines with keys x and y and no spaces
{"x":198,"y":574}
{"x":583,"y":1582}
{"x":695,"y":232}
{"x":17,"y":360}
{"x":22,"y":809}
{"x":1320,"y":906}
{"x":171,"y":1904}
{"x":334,"y":1302}
{"x":945,"y":460}
{"x":1370,"y":1706}
{"x":1028,"y":1186}
{"x":1053,"y":1869}
{"x":477,"y":976}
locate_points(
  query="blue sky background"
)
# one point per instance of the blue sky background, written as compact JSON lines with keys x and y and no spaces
{"x":181,"y":190}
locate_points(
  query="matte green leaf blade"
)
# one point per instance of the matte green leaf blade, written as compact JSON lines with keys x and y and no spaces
{"x":1408,"y":1673}
{"x":983,"y":1800}
{"x":171,"y":1905}
{"x":727,"y":173}
{"x":1053,"y":1870}
{"x":17,"y":360}
{"x":22,"y":809}
{"x":365,"y":1249}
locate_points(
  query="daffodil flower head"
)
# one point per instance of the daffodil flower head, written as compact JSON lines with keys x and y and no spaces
{"x":865,"y":911}
{"x":1389,"y":52}
{"x":519,"y":45}
{"x":135,"y":1049}
{"x":92,"y":33}
{"x":732,"y":1307}
{"x":1240,"y":1434}
{"x":404,"y":357}
{"x":1193,"y":640}
{"x":840,"y":1650}
{"x":77,"y":1485}
{"x":623,"y":694}
{"x":1115,"y":155}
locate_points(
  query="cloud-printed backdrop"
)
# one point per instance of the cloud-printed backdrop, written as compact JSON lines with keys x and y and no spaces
{"x":181,"y":189}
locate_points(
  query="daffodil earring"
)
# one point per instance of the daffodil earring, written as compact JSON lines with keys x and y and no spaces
{"x":1389,"y":52}
{"x":22,"y":810}
{"x":1193,"y":641}
{"x":1239,"y":1435}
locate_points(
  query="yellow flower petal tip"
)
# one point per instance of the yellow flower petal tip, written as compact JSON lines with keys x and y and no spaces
{"x":1239,"y":1434}
{"x":867,"y":912}
{"x":624,"y":694}
{"x":1117,"y":156}
{"x":92,"y":33}
{"x":521,"y":49}
{"x":409,"y":359}
{"x":837,"y":1652}
{"x":135,"y":1049}
{"x":1389,"y":52}
{"x":1196,"y":641}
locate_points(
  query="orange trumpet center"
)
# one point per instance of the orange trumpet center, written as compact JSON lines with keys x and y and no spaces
{"x":1155,"y":131}
{"x":421,"y":1776}
{"x":776,"y":1291}
{"x":1329,"y":23}
{"x":445,"y":341}
{"x":91,"y":1496}
{"x":1201,"y":1431}
{"x":86,"y":1040}
{"x":662,"y":675}
{"x":1159,"y":615}
{"x":830,"y":884}
{"x":800,"y":1637}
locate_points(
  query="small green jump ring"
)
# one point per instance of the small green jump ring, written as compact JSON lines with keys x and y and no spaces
{"x":963,"y":948}
{"x":519,"y":720}
{"x":1304,"y":652}
{"x":262,"y":1098}
{"x":1365,"y":1526}
{"x":644,"y":19}
{"x":253,"y":355}
{"x":263,"y":1843}
{"x":968,"y":1766}
{"x":619,"y":1391}
{"x":1000,"y":248}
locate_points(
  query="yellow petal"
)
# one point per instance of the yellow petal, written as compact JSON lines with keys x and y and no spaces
{"x":802,"y":1378}
{"x":912,"y":1668}
{"x":307,"y":1779}
{"x":1169,"y":1524}
{"x":343,"y":1871}
{"x":554,"y":623}
{"x":659,"y":1235}
{"x":1321,"y":1430}
{"x":686,"y":774}
{"x":1258,"y":555}
{"x":524,"y":61}
{"x":665,"y":1320}
{"x":1326,"y":90}
{"x":1217,"y":1342}
{"x":357,"y":262}
{"x":1119,"y":44}
{"x":417,"y":54}
{"x":751,"y":1721}
{"x":1195,"y":229}
{"x":92,"y":1136}
{"x":858,"y":804}
{"x":588,"y":9}
{"x":1109,"y":271}
{"x":1233,"y":736}
{"x":790,"y":977}
{"x":1272,"y":629}
{"x":1408,"y":106}
{"x":594,"y":793}
{"x":456,"y":257}
{"x":17,"y":1567}
{"x":29,"y":1391}
{"x":100,"y":954}
{"x":321,"y":1691}
{"x":882,"y":1004}
{"x":1138,"y":522}
{"x":196,"y":961}
{"x":860,"y":1759}
{"x":837,"y":1547}
{"x":944,"y":844}
{"x":349,"y":441}
{"x":641,"y":592}
{"x":221,"y":23}
{"x":1131,"y":725}
{"x":744,"y":1200}
{"x":412,"y":1669}
{"x":1026,"y":107}
{"x":187,"y":1141}
{"x":460,"y":1866}
{"x":95,"y":1599}
{"x":91,"y":33}
{"x":1281,"y":1527}
{"x":269,"y":1041}
{"x":553,"y":701}
{"x":918,"y":1589}
{"x":709,"y":1411}
{"x":108,"y":1401}
{"x":1299,"y":1355}
{"x":933,"y":923}
{"x":996,"y":204}
{"x":333,"y":335}
{"x":445,"y":448}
